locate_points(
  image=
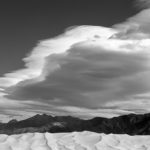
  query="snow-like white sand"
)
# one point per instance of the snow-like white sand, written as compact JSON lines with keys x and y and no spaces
{"x":73,"y":141}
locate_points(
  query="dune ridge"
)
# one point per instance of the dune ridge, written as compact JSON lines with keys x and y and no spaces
{"x":73,"y":141}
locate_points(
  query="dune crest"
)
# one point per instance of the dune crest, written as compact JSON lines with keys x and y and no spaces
{"x":73,"y":141}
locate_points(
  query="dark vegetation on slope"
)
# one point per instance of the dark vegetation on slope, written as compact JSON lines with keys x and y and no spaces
{"x":131,"y":124}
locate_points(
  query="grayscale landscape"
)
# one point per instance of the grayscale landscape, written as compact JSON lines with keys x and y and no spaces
{"x":75,"y":75}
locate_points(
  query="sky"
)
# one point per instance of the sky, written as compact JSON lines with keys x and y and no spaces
{"x":80,"y":58}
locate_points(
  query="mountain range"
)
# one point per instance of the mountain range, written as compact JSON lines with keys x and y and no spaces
{"x":131,"y":124}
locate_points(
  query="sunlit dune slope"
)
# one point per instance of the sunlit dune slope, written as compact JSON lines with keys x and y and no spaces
{"x":73,"y":141}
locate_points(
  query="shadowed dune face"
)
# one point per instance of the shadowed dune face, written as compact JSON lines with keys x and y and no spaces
{"x":73,"y":141}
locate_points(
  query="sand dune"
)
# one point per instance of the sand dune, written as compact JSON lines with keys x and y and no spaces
{"x":73,"y":141}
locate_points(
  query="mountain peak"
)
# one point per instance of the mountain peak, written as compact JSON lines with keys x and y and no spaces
{"x":132,"y":124}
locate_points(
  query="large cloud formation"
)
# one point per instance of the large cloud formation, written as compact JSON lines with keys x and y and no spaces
{"x":88,"y":69}
{"x":88,"y":75}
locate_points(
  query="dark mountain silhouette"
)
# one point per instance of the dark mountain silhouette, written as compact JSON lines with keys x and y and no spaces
{"x":131,"y":124}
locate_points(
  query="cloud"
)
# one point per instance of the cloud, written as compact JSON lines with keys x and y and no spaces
{"x":94,"y":70}
{"x":88,"y":76}
{"x":86,"y":71}
{"x":35,"y":61}
{"x":143,"y":4}
{"x":137,"y":26}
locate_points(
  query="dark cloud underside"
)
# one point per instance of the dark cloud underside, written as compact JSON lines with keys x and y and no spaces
{"x":88,"y":77}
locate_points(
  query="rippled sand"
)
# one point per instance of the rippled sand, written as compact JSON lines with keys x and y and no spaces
{"x":73,"y":141}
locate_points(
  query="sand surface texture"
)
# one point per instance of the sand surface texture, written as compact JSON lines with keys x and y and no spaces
{"x":73,"y":141}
